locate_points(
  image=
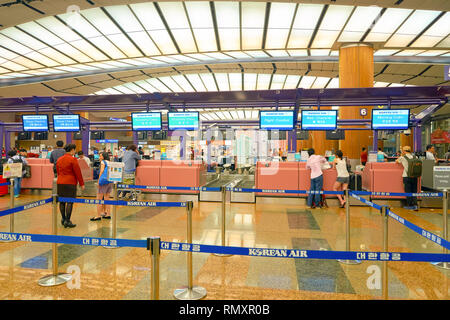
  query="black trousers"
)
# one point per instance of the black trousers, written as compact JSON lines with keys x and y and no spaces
{"x":410,"y":185}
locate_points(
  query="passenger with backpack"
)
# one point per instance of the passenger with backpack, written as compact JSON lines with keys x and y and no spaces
{"x":18,"y":157}
{"x":412,"y":170}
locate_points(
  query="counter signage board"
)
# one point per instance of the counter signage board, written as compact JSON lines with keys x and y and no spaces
{"x":441,"y":178}
{"x":373,"y":156}
{"x":115,"y":171}
{"x":12,"y":170}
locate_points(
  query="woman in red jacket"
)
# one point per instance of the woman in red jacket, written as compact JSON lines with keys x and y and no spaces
{"x":69,"y":174}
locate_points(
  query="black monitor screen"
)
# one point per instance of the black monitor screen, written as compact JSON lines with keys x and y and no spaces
{"x":97,"y":135}
{"x":302,"y":135}
{"x":335,"y":135}
{"x":24,"y":135}
{"x":41,"y":135}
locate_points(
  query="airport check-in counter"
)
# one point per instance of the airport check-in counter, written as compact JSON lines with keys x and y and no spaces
{"x":290,"y":175}
{"x":384,"y":177}
{"x":427,"y":173}
{"x":168,"y":173}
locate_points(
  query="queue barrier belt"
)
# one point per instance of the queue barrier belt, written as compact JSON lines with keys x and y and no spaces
{"x":424,"y":233}
{"x":25,"y":207}
{"x":124,"y":203}
{"x":243,"y":251}
{"x":216,"y":189}
{"x":5,"y":184}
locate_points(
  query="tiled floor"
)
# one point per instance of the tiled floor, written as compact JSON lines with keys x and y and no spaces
{"x":124,"y":273}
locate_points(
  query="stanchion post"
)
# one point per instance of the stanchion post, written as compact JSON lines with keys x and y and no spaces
{"x":223,"y":191}
{"x":56,"y":278}
{"x":190,"y":292}
{"x":114,"y":218}
{"x":11,"y":204}
{"x":347,"y":229}
{"x":385,"y":215}
{"x":444,"y":265}
{"x":153,"y":244}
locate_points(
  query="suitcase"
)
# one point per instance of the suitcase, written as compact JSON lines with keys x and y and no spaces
{"x":355,"y":182}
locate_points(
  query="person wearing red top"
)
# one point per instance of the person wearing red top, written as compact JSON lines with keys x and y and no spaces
{"x":69,"y":174}
{"x":363,"y":156}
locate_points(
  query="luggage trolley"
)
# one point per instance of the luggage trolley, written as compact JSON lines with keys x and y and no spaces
{"x":131,"y":194}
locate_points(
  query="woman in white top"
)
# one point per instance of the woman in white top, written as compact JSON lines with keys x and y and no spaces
{"x":343,"y":177}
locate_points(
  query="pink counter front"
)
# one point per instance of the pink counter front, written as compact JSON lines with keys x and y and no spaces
{"x":168,"y":173}
{"x":42,"y":173}
{"x":384,"y":177}
{"x":289,"y":176}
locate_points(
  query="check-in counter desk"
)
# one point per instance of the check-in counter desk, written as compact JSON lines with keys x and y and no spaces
{"x":289,"y":176}
{"x":148,"y":173}
{"x":384,"y":177}
{"x":427,"y":173}
{"x":182,"y":173}
{"x":42,"y":176}
{"x":277,"y":175}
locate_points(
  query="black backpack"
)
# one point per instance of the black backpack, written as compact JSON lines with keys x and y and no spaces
{"x":414,"y":167}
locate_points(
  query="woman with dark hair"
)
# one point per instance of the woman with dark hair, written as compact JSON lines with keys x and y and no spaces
{"x":314,"y":163}
{"x":343,"y":177}
{"x":69,"y":174}
{"x":104,"y":189}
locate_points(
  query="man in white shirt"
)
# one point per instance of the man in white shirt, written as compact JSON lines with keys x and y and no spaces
{"x":82,"y":156}
{"x":430,"y":154}
{"x":409,"y":183}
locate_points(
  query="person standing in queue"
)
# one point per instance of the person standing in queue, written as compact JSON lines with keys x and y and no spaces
{"x":409,"y":178}
{"x":69,"y":175}
{"x":363,"y":156}
{"x":104,"y":189}
{"x":18,"y":157}
{"x":56,"y":154}
{"x":343,"y":177}
{"x":130,"y":160}
{"x":430,"y":154}
{"x":314,"y":163}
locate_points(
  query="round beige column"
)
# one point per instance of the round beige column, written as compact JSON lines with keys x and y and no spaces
{"x":355,"y":71}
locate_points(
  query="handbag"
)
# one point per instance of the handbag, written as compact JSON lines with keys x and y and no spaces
{"x":325,"y":165}
{"x":103,"y":180}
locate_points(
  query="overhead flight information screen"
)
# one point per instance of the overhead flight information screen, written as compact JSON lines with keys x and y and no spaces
{"x":183,"y":120}
{"x":146,"y":121}
{"x":319,"y":120}
{"x":388,"y":119}
{"x":276,"y":120}
{"x":66,"y":122}
{"x":35,"y":122}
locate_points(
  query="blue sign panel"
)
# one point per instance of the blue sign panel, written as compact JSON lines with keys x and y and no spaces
{"x":390,"y":119}
{"x":66,"y":122}
{"x":146,"y":121}
{"x":319,"y":120}
{"x":183,"y":120}
{"x":276,"y":120}
{"x":36,"y":122}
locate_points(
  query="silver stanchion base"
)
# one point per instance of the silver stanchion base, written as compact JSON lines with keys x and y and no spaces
{"x":222,"y":255}
{"x":195,"y":293}
{"x":350,"y":261}
{"x":442,"y":265}
{"x":110,"y":247}
{"x":52,"y":280}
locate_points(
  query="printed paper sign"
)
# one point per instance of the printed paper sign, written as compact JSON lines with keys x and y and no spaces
{"x":12,"y":170}
{"x":115,"y":171}
{"x":441,"y":178}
